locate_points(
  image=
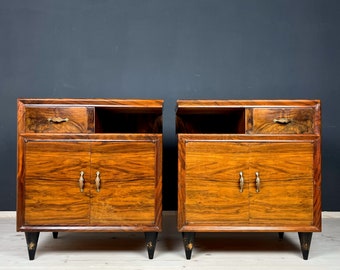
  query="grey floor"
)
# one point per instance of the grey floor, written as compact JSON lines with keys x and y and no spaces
{"x":212,"y":250}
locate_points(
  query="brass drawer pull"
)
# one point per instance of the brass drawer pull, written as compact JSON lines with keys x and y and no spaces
{"x":81,"y":181}
{"x":97,"y":181}
{"x":57,"y":120}
{"x":282,"y":121}
{"x":257,"y":182}
{"x":241,"y":182}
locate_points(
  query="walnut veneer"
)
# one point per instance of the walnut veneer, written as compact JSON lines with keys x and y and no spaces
{"x":249,"y":166}
{"x":89,"y":165}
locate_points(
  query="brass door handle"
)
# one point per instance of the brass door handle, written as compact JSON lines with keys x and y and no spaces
{"x":257,"y":182}
{"x":97,"y":181}
{"x":81,"y":181}
{"x":241,"y":182}
{"x":57,"y":120}
{"x":282,"y":121}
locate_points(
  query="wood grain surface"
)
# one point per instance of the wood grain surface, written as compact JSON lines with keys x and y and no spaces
{"x":127,"y":196}
{"x":60,"y":138}
{"x":280,"y":140}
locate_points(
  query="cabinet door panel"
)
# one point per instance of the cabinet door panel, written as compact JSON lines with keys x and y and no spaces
{"x":286,"y":189}
{"x":52,"y":193}
{"x":212,"y":182}
{"x":128,"y":179}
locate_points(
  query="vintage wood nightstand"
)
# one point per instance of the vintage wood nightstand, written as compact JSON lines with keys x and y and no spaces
{"x":249,"y":166}
{"x":89,"y":165}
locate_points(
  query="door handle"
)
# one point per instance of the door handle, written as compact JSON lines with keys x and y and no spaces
{"x":257,"y":182}
{"x":241,"y":182}
{"x":81,"y":181}
{"x":97,"y":181}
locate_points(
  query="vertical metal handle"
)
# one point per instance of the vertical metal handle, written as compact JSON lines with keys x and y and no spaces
{"x":97,"y":181}
{"x":257,"y":182}
{"x":81,"y":181}
{"x":241,"y":182}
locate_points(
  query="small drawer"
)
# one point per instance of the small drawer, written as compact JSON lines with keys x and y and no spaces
{"x":282,"y":121}
{"x":59,"y":120}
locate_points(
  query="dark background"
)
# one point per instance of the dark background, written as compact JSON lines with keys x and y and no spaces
{"x":171,"y":49}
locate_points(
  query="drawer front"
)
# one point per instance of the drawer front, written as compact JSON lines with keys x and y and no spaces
{"x":59,"y":120}
{"x":283,"y":121}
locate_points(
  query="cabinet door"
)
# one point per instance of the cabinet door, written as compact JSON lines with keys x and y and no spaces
{"x":209,"y":183}
{"x":285,"y":196}
{"x":128,"y":176}
{"x":51,"y":190}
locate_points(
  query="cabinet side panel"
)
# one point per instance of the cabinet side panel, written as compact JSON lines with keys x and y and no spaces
{"x":181,"y":183}
{"x":159,"y":182}
{"x":317,"y":184}
{"x":20,"y":182}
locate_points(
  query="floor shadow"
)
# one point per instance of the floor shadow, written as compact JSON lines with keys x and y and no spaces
{"x":235,"y":242}
{"x":76,"y":241}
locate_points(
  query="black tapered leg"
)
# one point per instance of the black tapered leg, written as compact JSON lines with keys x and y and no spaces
{"x":32,"y":242}
{"x":151,"y":240}
{"x":281,"y":234}
{"x":188,"y":241}
{"x":55,"y":235}
{"x":305,"y":240}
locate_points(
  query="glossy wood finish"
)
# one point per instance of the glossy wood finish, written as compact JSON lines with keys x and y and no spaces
{"x":286,"y":158}
{"x":128,"y":192}
{"x":216,"y":167}
{"x":294,"y":121}
{"x":59,"y":119}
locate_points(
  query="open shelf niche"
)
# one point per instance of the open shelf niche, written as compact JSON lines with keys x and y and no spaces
{"x":128,"y":120}
{"x":211,"y":120}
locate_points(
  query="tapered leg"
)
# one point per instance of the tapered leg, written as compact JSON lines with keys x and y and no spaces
{"x":151,"y":240}
{"x":55,"y":235}
{"x":305,"y":240}
{"x":188,"y":241}
{"x":281,"y":235}
{"x":32,"y":242}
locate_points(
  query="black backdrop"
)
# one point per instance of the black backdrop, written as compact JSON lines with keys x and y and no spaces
{"x":170,"y":49}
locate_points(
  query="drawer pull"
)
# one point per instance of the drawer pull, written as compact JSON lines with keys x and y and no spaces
{"x":97,"y":181}
{"x":57,"y":120}
{"x":282,"y":121}
{"x":241,"y":182}
{"x":257,"y":182}
{"x":81,"y":181}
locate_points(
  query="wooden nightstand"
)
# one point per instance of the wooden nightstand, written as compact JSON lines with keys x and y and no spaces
{"x":249,"y":166}
{"x":89,"y":165}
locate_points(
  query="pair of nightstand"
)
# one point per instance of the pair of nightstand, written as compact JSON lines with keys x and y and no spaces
{"x":95,"y":165}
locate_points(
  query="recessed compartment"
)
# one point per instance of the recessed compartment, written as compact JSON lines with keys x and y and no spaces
{"x":127,"y":120}
{"x":210,"y":120}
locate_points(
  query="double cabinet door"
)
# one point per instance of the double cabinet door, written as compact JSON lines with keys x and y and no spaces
{"x":93,"y":183}
{"x":244,"y":183}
